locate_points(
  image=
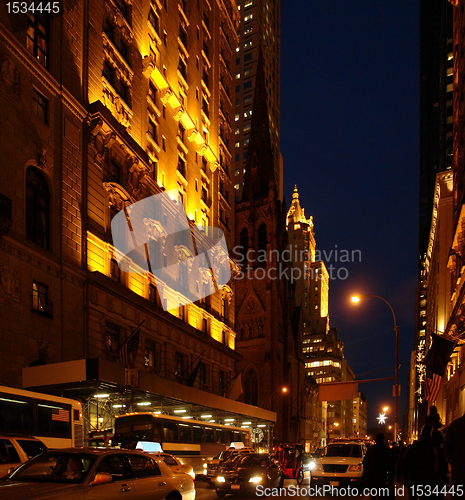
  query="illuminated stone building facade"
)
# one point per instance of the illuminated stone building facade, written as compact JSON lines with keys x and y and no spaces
{"x":435,"y":155}
{"x":360,"y":416}
{"x":444,"y":264}
{"x":104,"y":104}
{"x":259,"y":30}
{"x":267,"y":323}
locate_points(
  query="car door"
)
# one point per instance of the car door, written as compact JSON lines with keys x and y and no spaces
{"x":273,"y":471}
{"x":9,"y":456}
{"x":120,"y":488}
{"x":149,"y":483}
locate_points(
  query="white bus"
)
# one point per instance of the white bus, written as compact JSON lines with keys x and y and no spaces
{"x":56,"y":421}
{"x":193,"y":441}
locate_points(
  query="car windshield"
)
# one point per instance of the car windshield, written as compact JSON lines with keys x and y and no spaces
{"x":252,"y":461}
{"x":55,"y":467}
{"x":344,"y":450}
{"x":31,"y":448}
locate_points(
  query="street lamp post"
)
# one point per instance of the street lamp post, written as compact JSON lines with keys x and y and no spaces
{"x":283,"y":390}
{"x":396,"y":386}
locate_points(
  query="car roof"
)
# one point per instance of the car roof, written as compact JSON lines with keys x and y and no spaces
{"x":18,"y":436}
{"x":99,"y":451}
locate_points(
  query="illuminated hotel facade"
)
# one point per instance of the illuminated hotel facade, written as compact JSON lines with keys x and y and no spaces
{"x":106,"y":104}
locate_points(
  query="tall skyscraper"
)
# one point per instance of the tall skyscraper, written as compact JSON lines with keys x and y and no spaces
{"x":259,"y":32}
{"x":436,"y":153}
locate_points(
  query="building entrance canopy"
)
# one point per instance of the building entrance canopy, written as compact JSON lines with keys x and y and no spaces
{"x":134,"y":390}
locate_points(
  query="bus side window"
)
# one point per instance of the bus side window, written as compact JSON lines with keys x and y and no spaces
{"x":209,"y":435}
{"x":185,"y":433}
{"x":220,"y":436}
{"x":170,"y":432}
{"x":199,"y":435}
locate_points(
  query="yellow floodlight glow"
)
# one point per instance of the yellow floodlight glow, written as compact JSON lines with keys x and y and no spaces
{"x":355,"y":299}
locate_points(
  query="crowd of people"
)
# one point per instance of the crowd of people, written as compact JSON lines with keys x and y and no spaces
{"x":423,"y":466}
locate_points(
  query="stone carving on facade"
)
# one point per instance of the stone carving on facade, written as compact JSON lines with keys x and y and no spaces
{"x":10,"y":75}
{"x":122,"y":68}
{"x":118,"y":108}
{"x":166,"y":96}
{"x":42,"y":158}
{"x":118,"y":20}
{"x":251,"y":306}
{"x":148,"y":66}
{"x":99,"y":141}
{"x":116,"y":198}
{"x":137,"y":175}
{"x":11,"y":282}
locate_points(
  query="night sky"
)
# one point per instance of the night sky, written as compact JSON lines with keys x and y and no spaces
{"x":349,"y":140}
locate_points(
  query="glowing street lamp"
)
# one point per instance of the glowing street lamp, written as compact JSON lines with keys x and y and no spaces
{"x":357,"y":299}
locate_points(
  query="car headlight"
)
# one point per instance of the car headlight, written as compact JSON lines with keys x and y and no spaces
{"x":355,"y":468}
{"x":317,"y":468}
{"x":255,"y":479}
{"x":310,"y":465}
{"x":205,"y":466}
{"x":221,"y":479}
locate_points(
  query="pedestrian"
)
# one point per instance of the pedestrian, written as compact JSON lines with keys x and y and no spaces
{"x":433,"y":418}
{"x":419,"y":464}
{"x":376,"y":467}
{"x":454,"y":446}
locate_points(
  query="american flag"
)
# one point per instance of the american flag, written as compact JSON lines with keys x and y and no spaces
{"x":128,"y":351}
{"x":60,"y":415}
{"x":432,"y":386}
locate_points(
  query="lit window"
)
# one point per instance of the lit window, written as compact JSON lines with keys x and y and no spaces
{"x":37,"y":37}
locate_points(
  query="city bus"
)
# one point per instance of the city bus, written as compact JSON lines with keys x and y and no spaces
{"x":56,"y":421}
{"x":193,"y":441}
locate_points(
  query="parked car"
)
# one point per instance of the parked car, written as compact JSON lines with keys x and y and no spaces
{"x":91,"y":473}
{"x":176,"y":465}
{"x":15,"y":450}
{"x":244,"y":473}
{"x":213,"y":466}
{"x":339,"y":464}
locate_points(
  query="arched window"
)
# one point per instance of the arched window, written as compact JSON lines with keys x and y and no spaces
{"x":244,"y":244}
{"x":251,"y":388}
{"x":262,"y":238}
{"x":37,"y":208}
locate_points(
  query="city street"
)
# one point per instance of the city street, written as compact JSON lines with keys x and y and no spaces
{"x":293,"y":490}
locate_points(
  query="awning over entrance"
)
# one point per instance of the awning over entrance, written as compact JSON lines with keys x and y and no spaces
{"x":97,"y":378}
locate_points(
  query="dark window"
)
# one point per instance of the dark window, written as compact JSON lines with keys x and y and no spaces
{"x":182,"y":166}
{"x":16,"y":416}
{"x":31,"y":448}
{"x":199,"y":434}
{"x":115,"y":273}
{"x":37,"y":37}
{"x":205,"y":326}
{"x":112,"y":337}
{"x":179,"y":365}
{"x":248,"y":57}
{"x":8,"y":453}
{"x":115,"y":172}
{"x":223,"y":380}
{"x":54,"y":420}
{"x":154,"y":20}
{"x":115,"y":466}
{"x":251,"y":388}
{"x":143,"y":466}
{"x":185,"y":433}
{"x":153,"y":91}
{"x":108,"y":72}
{"x":170,"y":431}
{"x":244,"y":246}
{"x":262,"y":237}
{"x":248,"y":85}
{"x":41,"y":103}
{"x":37,"y":208}
{"x":153,"y":130}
